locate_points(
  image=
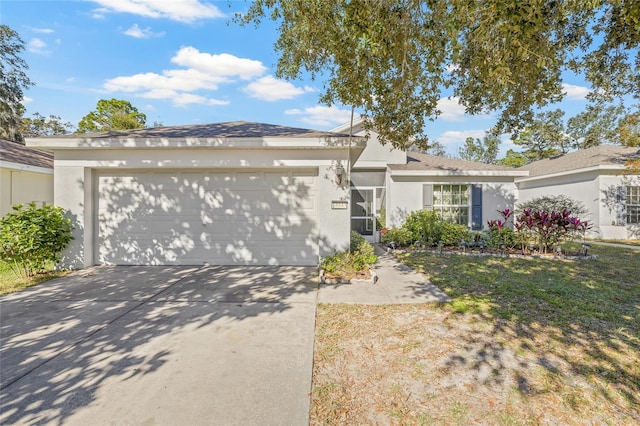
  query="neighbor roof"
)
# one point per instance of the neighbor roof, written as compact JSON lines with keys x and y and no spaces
{"x":425,"y":164}
{"x":597,"y":156}
{"x":232,"y":129}
{"x":15,"y":152}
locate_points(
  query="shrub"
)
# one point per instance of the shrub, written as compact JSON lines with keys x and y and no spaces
{"x":31,"y":238}
{"x":548,"y":228}
{"x":356,"y":241}
{"x":451,"y":233}
{"x":554,"y":203}
{"x":360,"y":258}
{"x":505,"y":235}
{"x":399,"y":236}
{"x":427,"y":227}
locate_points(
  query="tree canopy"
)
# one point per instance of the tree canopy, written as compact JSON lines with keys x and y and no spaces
{"x":484,"y":150}
{"x":13,"y":82}
{"x":41,"y":125}
{"x":112,"y":114}
{"x":395,"y":59}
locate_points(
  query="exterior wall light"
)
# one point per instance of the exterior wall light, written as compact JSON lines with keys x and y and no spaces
{"x":339,"y":174}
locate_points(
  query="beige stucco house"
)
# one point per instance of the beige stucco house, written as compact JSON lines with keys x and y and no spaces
{"x":596,"y":177}
{"x":225,"y":193}
{"x":26,"y":175}
{"x":393,"y":183}
{"x":253,"y":193}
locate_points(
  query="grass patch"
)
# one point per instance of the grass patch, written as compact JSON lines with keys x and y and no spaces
{"x":10,"y":283}
{"x":523,"y":341}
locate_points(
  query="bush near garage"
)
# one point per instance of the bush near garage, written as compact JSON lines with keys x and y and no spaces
{"x":427,"y":228}
{"x":32,"y":238}
{"x":351,"y":262}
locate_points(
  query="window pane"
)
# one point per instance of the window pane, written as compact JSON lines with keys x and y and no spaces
{"x":452,"y":202}
{"x":633,"y":204}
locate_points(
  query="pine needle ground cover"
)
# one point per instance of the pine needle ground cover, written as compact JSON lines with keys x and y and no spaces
{"x":523,"y":341}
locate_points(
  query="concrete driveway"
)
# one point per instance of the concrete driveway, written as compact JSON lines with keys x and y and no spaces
{"x":160,"y":345}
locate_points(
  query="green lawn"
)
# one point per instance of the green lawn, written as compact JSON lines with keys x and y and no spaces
{"x":10,"y":283}
{"x":523,"y":341}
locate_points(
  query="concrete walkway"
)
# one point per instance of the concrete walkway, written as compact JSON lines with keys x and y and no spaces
{"x":620,"y":245}
{"x":397,"y":283}
{"x":174,"y":345}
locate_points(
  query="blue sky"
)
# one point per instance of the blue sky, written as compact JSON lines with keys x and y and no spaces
{"x":182,"y":62}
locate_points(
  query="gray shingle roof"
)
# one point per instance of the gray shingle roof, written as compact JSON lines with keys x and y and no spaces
{"x":15,"y":152}
{"x":233,"y":129}
{"x":416,"y":161}
{"x":603,"y":155}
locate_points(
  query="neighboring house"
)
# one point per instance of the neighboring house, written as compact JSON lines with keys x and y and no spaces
{"x":26,"y":175}
{"x":393,"y":183}
{"x":594,"y":176}
{"x":226,"y":193}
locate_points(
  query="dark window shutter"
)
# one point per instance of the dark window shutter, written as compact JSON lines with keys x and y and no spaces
{"x":621,"y":206}
{"x":427,"y":197}
{"x":476,"y":207}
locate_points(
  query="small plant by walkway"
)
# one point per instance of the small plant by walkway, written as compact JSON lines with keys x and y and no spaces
{"x":523,"y":341}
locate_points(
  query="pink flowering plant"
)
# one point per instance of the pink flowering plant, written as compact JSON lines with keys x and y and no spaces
{"x":548,"y":229}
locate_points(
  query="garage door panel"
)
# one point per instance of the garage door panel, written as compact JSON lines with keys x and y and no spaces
{"x":252,"y":217}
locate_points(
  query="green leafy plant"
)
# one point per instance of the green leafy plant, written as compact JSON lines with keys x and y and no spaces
{"x":554,"y":203}
{"x":398,"y":236}
{"x":350,"y":262}
{"x":428,"y":228}
{"x":451,"y":233}
{"x":501,"y":236}
{"x":31,"y":237}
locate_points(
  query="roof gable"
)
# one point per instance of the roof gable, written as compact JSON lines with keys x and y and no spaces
{"x":612,"y":156}
{"x":232,"y":129}
{"x":435,"y":164}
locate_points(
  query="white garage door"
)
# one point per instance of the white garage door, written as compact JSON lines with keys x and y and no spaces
{"x":224,"y":218}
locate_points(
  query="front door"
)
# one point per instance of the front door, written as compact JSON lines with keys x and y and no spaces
{"x":366,"y":205}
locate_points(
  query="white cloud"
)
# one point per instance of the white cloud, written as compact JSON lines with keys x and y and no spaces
{"x":452,"y":137}
{"x":573,"y":92}
{"x":451,"y":68}
{"x":204,"y":72}
{"x":137,"y":32}
{"x":271,"y":89}
{"x":181,"y":99}
{"x":219,"y":65}
{"x":450,"y":109}
{"x":176,"y":10}
{"x":321,"y":116}
{"x":26,"y":99}
{"x":41,"y":30}
{"x":36,"y":45}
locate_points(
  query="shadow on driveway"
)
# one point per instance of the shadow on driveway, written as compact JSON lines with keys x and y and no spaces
{"x":160,"y":345}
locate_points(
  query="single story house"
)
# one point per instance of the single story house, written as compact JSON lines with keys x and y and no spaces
{"x":596,"y":177}
{"x":252,"y":193}
{"x":225,"y":193}
{"x":392,"y":183}
{"x":26,"y":175}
